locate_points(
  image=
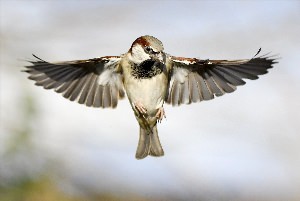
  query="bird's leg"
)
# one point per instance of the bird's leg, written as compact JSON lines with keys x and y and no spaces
{"x":142,"y":115}
{"x":140,"y":107}
{"x":160,"y":114}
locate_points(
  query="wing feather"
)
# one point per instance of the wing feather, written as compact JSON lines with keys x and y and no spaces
{"x":98,"y":100}
{"x":211,"y":84}
{"x":58,"y":82}
{"x":175,"y":93}
{"x":230,"y":78}
{"x":92,"y":93}
{"x":194,"y":91}
{"x":204,"y":89}
{"x":185,"y":93}
{"x":78,"y":88}
{"x":87,"y":88}
{"x":194,"y":80}
{"x":106,"y":96}
{"x":221,"y":81}
{"x":74,"y":83}
{"x":94,"y":82}
{"x":67,"y":81}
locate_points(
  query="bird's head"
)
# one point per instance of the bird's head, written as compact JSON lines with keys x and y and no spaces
{"x":147,"y":48}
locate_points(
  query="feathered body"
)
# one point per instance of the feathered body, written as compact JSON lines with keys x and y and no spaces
{"x":146,"y":82}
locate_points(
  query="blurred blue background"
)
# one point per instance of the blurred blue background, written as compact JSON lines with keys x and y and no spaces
{"x":241,"y":146}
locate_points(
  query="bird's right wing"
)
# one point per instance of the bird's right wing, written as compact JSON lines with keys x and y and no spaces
{"x":94,"y":82}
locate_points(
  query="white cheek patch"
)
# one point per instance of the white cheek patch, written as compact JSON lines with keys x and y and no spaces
{"x":138,"y":55}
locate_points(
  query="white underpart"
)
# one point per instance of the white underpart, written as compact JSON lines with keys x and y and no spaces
{"x":149,"y":92}
{"x":138,"y":54}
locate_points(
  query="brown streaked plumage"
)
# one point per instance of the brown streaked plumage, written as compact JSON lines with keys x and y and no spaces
{"x":150,"y":77}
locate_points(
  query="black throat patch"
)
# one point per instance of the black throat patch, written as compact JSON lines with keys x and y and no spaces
{"x":147,"y":69}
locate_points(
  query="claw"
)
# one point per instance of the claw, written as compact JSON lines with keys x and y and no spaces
{"x":160,"y":114}
{"x":140,"y":107}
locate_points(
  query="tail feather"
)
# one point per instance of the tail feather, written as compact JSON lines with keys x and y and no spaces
{"x":149,"y":144}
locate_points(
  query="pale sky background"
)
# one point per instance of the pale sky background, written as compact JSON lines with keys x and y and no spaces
{"x":241,"y":146}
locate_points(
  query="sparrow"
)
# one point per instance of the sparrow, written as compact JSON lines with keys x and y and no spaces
{"x":149,"y":77}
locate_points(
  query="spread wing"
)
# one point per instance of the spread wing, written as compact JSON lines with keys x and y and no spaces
{"x":194,"y":80}
{"x":94,"y":82}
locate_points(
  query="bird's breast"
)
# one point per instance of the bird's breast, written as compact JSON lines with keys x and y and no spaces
{"x":150,"y":92}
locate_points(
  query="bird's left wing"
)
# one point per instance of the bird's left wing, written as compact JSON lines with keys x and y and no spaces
{"x":94,"y":82}
{"x":194,"y":80}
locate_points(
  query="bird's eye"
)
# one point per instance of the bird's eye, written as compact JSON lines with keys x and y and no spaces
{"x":148,"y":49}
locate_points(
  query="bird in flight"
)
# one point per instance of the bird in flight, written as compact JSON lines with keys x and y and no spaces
{"x":149,"y":77}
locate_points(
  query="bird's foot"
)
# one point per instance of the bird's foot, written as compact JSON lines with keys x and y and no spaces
{"x":140,"y":107}
{"x":160,"y":114}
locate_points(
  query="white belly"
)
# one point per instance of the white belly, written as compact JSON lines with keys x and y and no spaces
{"x":149,"y":92}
